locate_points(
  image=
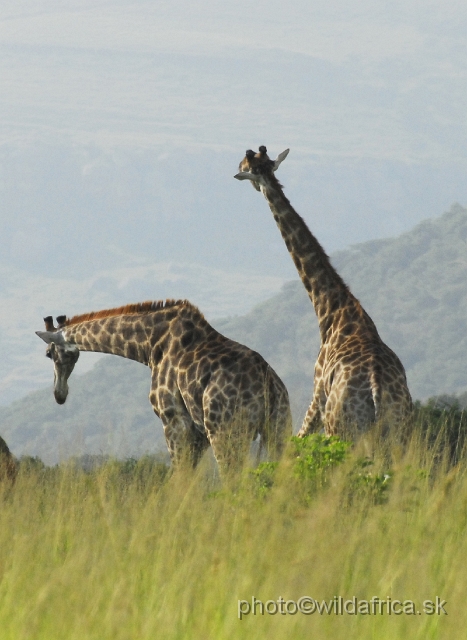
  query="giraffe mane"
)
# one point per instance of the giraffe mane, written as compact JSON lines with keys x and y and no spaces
{"x":271,"y":177}
{"x":132,"y":309}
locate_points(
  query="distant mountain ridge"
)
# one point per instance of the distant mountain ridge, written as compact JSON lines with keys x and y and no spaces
{"x":413,"y":286}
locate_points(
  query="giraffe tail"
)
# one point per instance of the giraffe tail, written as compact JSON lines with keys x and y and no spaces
{"x":376,"y":391}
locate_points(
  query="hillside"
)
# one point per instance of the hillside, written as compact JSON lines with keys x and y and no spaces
{"x":107,"y":410}
{"x":415,"y":289}
{"x":413,"y":286}
{"x":25,"y":298}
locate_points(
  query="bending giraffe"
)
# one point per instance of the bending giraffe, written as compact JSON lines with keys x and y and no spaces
{"x":206,"y":389}
{"x":358,"y":379}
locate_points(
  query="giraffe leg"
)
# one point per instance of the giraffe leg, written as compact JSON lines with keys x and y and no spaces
{"x":349,"y":408}
{"x":198,"y":442}
{"x":313,"y":417}
{"x":278,"y":423}
{"x":230,"y":436}
{"x":230,"y":447}
{"x":184,"y":439}
{"x":273,"y":437}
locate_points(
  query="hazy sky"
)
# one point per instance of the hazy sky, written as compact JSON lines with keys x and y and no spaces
{"x":370,"y":97}
{"x":331,"y":79}
{"x":122,"y":124}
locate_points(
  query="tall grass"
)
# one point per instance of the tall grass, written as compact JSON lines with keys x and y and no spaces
{"x":129,"y":551}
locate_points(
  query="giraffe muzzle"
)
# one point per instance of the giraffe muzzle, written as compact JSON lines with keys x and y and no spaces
{"x":59,"y":398}
{"x":60,"y":389}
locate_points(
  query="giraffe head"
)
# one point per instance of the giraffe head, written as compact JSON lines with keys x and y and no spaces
{"x":63,"y":354}
{"x":256,"y":165}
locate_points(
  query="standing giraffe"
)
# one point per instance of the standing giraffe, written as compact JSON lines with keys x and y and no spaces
{"x":358,"y":379}
{"x":205,"y":388}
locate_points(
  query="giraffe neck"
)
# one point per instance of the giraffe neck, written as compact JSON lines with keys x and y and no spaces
{"x":119,"y":335}
{"x":147,"y":332}
{"x":328,"y":292}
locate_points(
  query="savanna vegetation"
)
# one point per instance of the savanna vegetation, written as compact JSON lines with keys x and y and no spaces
{"x":102,"y":548}
{"x":126,"y":549}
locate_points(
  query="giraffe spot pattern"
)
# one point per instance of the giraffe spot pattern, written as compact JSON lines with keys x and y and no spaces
{"x":201,"y":380}
{"x":354,"y":365}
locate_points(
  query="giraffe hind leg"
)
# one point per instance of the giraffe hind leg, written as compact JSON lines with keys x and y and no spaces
{"x":312,"y":421}
{"x":276,"y":430}
{"x":277,"y":424}
{"x":185,"y":441}
{"x":230,"y":441}
{"x":197,"y":444}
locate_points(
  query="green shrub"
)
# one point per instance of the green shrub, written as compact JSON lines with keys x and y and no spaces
{"x":263,"y":477}
{"x":364,"y":482}
{"x":316,"y":454}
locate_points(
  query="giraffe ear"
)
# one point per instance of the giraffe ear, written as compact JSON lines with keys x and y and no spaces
{"x":282,"y":156}
{"x":49,"y":337}
{"x":246,"y":175}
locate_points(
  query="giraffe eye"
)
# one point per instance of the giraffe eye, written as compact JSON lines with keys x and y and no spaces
{"x":50,"y":351}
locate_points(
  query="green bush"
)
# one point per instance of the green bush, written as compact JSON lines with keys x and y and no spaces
{"x":316,"y":454}
{"x":365,"y":483}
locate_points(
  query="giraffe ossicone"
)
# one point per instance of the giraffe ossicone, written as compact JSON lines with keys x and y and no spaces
{"x":206,"y":388}
{"x":358,"y":379}
{"x":254,"y":177}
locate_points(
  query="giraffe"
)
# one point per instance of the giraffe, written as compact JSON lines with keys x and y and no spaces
{"x":206,"y":388}
{"x":8,"y":464}
{"x":358,"y":379}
